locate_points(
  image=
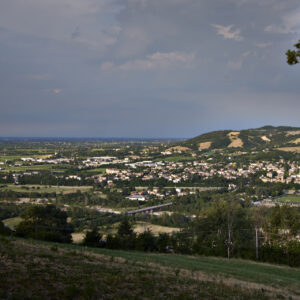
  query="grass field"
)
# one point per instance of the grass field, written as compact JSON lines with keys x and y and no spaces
{"x":155,"y":229}
{"x":94,"y":171}
{"x":12,"y":222}
{"x":176,"y":158}
{"x":46,"y":188}
{"x":43,"y":167}
{"x":289,"y":199}
{"x":68,"y":271}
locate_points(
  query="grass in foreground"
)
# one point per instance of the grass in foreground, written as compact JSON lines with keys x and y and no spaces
{"x":32,"y":269}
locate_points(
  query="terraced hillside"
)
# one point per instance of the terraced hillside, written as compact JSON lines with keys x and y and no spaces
{"x":282,"y":138}
{"x":35,"y":270}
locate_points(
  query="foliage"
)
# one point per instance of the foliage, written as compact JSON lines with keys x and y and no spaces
{"x":293,"y":55}
{"x":4,"y":230}
{"x":125,"y":228}
{"x":92,"y":238}
{"x":45,"y":223}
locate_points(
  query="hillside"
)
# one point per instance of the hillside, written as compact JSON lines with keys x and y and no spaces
{"x":283,"y":138}
{"x":33,"y":269}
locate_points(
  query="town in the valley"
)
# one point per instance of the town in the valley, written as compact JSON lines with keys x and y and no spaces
{"x":238,"y":190}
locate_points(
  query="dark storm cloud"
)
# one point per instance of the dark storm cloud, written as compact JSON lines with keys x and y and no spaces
{"x":146,"y":67}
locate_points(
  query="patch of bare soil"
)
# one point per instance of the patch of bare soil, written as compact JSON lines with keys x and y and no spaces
{"x":293,"y":132}
{"x":265,"y":138}
{"x":235,"y":140}
{"x":204,"y":146}
{"x":296,"y":141}
{"x":290,"y":149}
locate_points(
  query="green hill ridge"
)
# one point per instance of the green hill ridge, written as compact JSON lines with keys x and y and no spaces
{"x":258,"y":138}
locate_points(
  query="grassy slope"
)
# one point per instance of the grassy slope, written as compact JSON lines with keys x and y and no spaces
{"x":68,"y":271}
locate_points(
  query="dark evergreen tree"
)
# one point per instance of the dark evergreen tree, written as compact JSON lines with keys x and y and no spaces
{"x":45,"y":223}
{"x":125,"y":228}
{"x":93,"y":238}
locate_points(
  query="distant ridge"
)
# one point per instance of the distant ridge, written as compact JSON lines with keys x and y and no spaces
{"x":88,"y":139}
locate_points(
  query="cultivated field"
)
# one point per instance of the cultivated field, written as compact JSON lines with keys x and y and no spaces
{"x":289,"y":199}
{"x":45,"y":188}
{"x":140,"y":227}
{"x":290,"y":149}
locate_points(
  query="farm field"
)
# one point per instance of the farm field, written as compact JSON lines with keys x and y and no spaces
{"x":289,"y":199}
{"x":45,"y":188}
{"x":290,"y":149}
{"x":12,"y":222}
{"x":43,"y":167}
{"x":68,"y":271}
{"x":140,"y":227}
{"x":93,"y":171}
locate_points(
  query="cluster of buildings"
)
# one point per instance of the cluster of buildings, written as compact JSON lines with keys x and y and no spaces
{"x":99,"y":161}
{"x":129,"y":168}
{"x":55,"y":161}
{"x":280,"y":172}
{"x":177,"y":172}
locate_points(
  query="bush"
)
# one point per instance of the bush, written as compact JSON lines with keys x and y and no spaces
{"x":45,"y":223}
{"x":93,"y":238}
{"x":4,"y":230}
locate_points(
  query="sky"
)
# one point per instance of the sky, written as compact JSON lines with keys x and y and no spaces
{"x":146,"y":68}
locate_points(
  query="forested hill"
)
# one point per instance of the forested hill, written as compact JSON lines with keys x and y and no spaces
{"x":258,"y":138}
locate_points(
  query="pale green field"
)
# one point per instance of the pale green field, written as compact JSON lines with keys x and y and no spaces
{"x":289,"y":198}
{"x":95,"y":171}
{"x":12,"y":222}
{"x":140,"y":227}
{"x":43,"y":167}
{"x":46,"y":188}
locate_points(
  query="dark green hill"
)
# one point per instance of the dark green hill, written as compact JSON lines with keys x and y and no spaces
{"x":256,"y":138}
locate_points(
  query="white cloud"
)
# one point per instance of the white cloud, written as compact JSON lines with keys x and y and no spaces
{"x":237,"y":64}
{"x":264,"y":45}
{"x":157,"y":60}
{"x":228,"y":33}
{"x":69,"y":21}
{"x":57,"y":91}
{"x":290,"y":24}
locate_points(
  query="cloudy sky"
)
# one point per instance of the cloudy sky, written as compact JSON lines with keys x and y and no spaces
{"x":146,"y":68}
